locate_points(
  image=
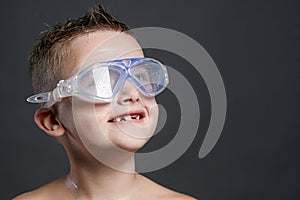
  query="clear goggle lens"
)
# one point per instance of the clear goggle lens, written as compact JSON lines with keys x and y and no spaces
{"x":103,"y":81}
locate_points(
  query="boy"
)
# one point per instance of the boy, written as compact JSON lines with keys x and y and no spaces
{"x":102,"y":112}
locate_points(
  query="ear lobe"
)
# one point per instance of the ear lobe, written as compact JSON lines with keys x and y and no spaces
{"x":47,"y":121}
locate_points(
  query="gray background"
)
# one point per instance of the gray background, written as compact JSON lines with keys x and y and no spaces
{"x":255,"y":45}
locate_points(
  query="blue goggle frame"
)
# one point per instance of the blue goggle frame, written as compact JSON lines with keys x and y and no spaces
{"x":124,"y":67}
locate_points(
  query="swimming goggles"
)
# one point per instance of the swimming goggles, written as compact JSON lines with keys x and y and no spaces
{"x":103,"y":81}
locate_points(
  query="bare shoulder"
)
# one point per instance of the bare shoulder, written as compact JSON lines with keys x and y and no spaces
{"x":43,"y":192}
{"x":156,"y":191}
{"x":29,"y":195}
{"x":180,"y":196}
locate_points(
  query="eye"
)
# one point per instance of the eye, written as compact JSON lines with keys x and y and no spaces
{"x":140,"y":77}
{"x":87,"y":84}
{"x":114,"y":77}
{"x":144,"y":77}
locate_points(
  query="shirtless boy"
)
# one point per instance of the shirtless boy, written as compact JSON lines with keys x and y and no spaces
{"x":102,"y":112}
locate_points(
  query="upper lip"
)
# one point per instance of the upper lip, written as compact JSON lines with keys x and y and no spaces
{"x":142,"y":113}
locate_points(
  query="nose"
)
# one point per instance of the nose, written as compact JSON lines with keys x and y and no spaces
{"x":129,"y":93}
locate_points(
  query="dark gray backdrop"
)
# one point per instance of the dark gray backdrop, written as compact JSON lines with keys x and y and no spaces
{"x":254,"y":44}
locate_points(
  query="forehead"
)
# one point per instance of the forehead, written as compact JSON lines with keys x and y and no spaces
{"x":99,"y":46}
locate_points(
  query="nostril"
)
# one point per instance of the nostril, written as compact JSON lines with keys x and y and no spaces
{"x":127,"y":100}
{"x":131,"y":100}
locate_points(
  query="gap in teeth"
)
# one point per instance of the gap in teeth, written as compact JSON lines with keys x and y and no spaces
{"x":127,"y":118}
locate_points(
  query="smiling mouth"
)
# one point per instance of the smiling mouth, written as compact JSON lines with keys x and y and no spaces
{"x":128,"y":117}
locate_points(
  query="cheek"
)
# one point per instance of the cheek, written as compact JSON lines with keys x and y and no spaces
{"x":65,"y":115}
{"x":152,"y":108}
{"x":91,"y":115}
{"x":82,"y":117}
{"x":155,"y":113}
{"x":90,"y":122}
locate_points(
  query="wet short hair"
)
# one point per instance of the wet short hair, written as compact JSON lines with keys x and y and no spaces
{"x":48,"y":54}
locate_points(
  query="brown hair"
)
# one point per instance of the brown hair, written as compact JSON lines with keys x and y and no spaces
{"x":47,"y":56}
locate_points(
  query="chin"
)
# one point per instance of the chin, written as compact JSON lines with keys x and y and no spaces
{"x":129,"y":143}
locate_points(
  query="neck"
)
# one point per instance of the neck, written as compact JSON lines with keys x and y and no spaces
{"x":91,"y":178}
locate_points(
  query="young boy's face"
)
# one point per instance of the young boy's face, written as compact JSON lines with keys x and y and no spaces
{"x":91,"y":124}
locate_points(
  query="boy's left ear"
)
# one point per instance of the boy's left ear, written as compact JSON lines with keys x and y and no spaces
{"x":48,"y":122}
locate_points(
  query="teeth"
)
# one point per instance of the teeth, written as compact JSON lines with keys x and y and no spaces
{"x":127,"y":118}
{"x":123,"y":119}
